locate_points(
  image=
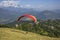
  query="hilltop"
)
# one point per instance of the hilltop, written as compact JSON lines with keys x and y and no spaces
{"x":14,"y":34}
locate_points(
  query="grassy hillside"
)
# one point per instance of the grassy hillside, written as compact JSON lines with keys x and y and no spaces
{"x":14,"y":34}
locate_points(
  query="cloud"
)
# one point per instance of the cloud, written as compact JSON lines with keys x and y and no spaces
{"x":48,"y":6}
{"x":19,"y":4}
{"x":10,"y":0}
{"x":10,"y":3}
{"x":27,"y":6}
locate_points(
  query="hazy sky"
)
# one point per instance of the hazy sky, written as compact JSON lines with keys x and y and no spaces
{"x":40,"y":4}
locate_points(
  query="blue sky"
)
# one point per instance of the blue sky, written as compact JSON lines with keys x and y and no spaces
{"x":39,"y":4}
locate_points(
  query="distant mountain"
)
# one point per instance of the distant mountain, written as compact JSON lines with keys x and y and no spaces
{"x":10,"y":14}
{"x":6,"y":16}
{"x":57,"y":10}
{"x":49,"y":14}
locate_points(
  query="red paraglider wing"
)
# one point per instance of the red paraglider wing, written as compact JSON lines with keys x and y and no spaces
{"x":20,"y":18}
{"x":33,"y":18}
{"x":28,"y":15}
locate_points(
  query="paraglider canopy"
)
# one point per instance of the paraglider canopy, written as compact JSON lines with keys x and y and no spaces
{"x":29,"y":16}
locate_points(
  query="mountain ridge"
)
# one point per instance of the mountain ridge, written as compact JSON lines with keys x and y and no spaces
{"x":9,"y":14}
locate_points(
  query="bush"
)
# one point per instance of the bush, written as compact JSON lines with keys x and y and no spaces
{"x":4,"y":26}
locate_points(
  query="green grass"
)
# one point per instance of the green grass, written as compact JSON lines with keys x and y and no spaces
{"x":14,"y":34}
